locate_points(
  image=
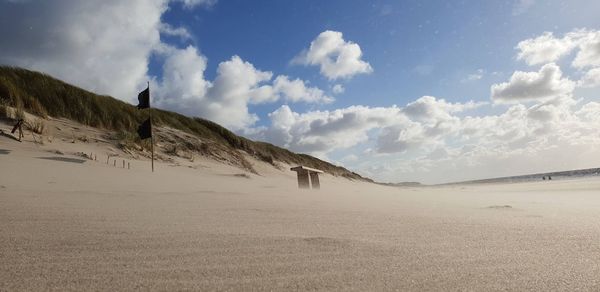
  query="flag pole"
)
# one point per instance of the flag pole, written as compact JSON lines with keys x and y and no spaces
{"x":152,"y":147}
{"x":151,"y":136}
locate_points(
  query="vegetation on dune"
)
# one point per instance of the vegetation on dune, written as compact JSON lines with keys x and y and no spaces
{"x":45,"y":96}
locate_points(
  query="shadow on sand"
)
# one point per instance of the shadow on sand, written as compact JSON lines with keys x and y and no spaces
{"x":4,"y":151}
{"x":8,"y":136}
{"x":63,"y":159}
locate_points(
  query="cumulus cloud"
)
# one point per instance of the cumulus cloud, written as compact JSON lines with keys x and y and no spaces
{"x":482,"y":146}
{"x":400,"y":138}
{"x":589,"y":48}
{"x":428,"y":119}
{"x":338,"y":89}
{"x":548,"y":48}
{"x":183,"y":76}
{"x":336,"y":57}
{"x":526,"y":86}
{"x":225,"y":100}
{"x":170,"y":30}
{"x":544,"y":49}
{"x":92,"y":44}
{"x":297,"y":91}
{"x":429,"y":108}
{"x":433,"y":140}
{"x":397,"y":129}
{"x":590,"y":79}
{"x":319,"y":132}
{"x":193,"y":3}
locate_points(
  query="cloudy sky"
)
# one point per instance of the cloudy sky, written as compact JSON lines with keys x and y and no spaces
{"x":415,"y":90}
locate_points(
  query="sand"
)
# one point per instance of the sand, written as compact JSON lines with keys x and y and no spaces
{"x":67,"y":224}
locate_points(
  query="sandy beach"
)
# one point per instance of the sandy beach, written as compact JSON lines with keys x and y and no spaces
{"x":212,"y":145}
{"x":70,"y":223}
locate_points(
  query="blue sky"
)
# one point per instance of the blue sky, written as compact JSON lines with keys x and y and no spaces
{"x":447,"y":40}
{"x":430,"y":91}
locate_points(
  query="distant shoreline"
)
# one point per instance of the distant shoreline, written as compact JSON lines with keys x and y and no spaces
{"x":557,"y":175}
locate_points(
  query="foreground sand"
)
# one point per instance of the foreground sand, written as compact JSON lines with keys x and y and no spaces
{"x":90,"y":226}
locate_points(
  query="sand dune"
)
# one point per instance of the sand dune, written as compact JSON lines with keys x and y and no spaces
{"x":68,"y":223}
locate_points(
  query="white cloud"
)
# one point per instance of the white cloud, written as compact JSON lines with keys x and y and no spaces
{"x":430,"y":119}
{"x":319,"y":132}
{"x":589,"y":48}
{"x":336,"y":57}
{"x":102,"y":46}
{"x":526,"y":86}
{"x":193,"y":3}
{"x":520,"y":138}
{"x":227,"y":100}
{"x":474,"y":76}
{"x":224,"y":101}
{"x":544,"y":49}
{"x":590,"y":79}
{"x":180,"y":32}
{"x":548,"y":48}
{"x":433,"y":140}
{"x":297,"y":91}
{"x":429,"y":108}
{"x":338,"y":89}
{"x":183,"y":76}
{"x":400,"y":138}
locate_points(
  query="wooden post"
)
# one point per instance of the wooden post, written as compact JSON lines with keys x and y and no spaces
{"x":314,"y":180}
{"x":123,"y":163}
{"x":107,"y":158}
{"x":152,"y":147}
{"x":115,"y":163}
{"x":303,"y":179}
{"x":128,"y":165}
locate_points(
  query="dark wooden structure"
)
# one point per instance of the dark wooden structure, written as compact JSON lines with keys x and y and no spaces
{"x":307,"y":177}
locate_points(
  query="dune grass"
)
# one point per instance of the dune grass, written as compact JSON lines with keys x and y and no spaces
{"x":43,"y":95}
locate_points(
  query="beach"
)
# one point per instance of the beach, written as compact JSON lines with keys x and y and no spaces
{"x":79,"y":224}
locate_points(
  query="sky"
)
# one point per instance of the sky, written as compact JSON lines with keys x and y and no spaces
{"x":413,"y":90}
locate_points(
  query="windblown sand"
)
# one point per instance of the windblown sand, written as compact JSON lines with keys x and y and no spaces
{"x":66,"y":225}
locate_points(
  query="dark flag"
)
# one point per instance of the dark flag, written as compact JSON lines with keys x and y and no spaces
{"x":145,"y":129}
{"x":144,"y":98}
{"x":17,"y":125}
